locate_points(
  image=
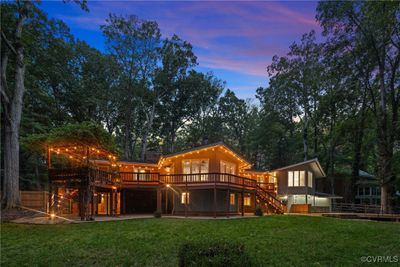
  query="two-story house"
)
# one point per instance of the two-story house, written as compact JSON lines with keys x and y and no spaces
{"x":209,"y":180}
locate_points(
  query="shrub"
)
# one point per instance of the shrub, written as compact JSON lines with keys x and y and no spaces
{"x":157,"y":214}
{"x":259,"y":211}
{"x":213,"y":253}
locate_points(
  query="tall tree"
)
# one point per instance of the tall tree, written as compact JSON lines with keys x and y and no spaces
{"x":375,"y":27}
{"x":12,"y":92}
{"x":177,"y":60}
{"x":133,"y":42}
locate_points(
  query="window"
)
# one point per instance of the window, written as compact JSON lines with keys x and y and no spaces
{"x":360,"y":191}
{"x":247,"y":201}
{"x":195,"y":166}
{"x":297,"y":178}
{"x":185,"y":198}
{"x":373,"y":191}
{"x":310,"y":179}
{"x":140,"y":174}
{"x":227,"y":167}
{"x":367,"y":191}
{"x":302,"y":178}
{"x":290,"y":179}
{"x":232,"y":199}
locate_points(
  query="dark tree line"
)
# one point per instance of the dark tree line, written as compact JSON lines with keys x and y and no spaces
{"x":337,"y":100}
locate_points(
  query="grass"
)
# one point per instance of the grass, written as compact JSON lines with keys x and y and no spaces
{"x":272,"y":240}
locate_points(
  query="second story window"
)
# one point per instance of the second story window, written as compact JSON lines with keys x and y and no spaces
{"x":310,"y":179}
{"x":296,"y":178}
{"x":227,"y":167}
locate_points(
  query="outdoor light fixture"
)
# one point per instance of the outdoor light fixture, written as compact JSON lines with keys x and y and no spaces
{"x":52,"y":215}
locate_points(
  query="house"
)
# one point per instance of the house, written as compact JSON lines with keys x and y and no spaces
{"x":296,"y":187}
{"x":209,"y":180}
{"x":368,"y":189}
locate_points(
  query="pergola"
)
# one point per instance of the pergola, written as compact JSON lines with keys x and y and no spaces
{"x":71,"y":154}
{"x":78,"y":173}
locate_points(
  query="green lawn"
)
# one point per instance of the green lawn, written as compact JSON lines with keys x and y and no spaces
{"x":272,"y":240}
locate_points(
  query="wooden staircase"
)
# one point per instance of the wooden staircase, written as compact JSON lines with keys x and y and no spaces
{"x":270,"y":200}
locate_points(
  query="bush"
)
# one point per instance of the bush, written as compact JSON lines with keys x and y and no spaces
{"x":157,"y":214}
{"x":213,"y":253}
{"x":259,"y":211}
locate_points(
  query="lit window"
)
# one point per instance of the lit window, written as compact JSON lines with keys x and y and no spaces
{"x":296,"y":179}
{"x":302,"y":178}
{"x":247,"y":201}
{"x":290,"y":179}
{"x":310,"y":179}
{"x":232,"y":199}
{"x":185,"y":198}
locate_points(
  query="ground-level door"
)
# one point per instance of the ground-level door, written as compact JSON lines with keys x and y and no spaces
{"x":106,"y":201}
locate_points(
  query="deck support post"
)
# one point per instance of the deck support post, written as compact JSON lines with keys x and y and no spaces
{"x":166,"y":200}
{"x":159,"y":199}
{"x":215,"y":198}
{"x":255,"y":201}
{"x":94,"y":203}
{"x":111,"y":198}
{"x":242,"y":202}
{"x":50,"y":206}
{"x":123,"y":204}
{"x":228,"y":194}
{"x":186,"y":197}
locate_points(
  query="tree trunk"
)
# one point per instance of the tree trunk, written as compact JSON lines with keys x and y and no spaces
{"x":147,"y":132}
{"x":127,"y":142}
{"x":13,"y":119}
{"x":305,"y":137}
{"x":357,"y":147}
{"x":11,"y":166}
{"x":384,"y":150}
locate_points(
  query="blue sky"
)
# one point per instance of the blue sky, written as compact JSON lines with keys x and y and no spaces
{"x":235,"y":40}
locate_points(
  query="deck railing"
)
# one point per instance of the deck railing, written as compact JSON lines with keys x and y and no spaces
{"x":139,"y":177}
{"x":199,"y":178}
{"x":68,"y":173}
{"x":109,"y":178}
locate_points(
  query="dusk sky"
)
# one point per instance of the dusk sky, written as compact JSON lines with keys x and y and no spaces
{"x":234,"y":40}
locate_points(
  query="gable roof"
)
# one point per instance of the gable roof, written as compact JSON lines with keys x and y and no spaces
{"x":313,"y":163}
{"x":222,"y":144}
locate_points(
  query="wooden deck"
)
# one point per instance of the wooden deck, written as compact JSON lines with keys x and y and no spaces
{"x":138,"y":179}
